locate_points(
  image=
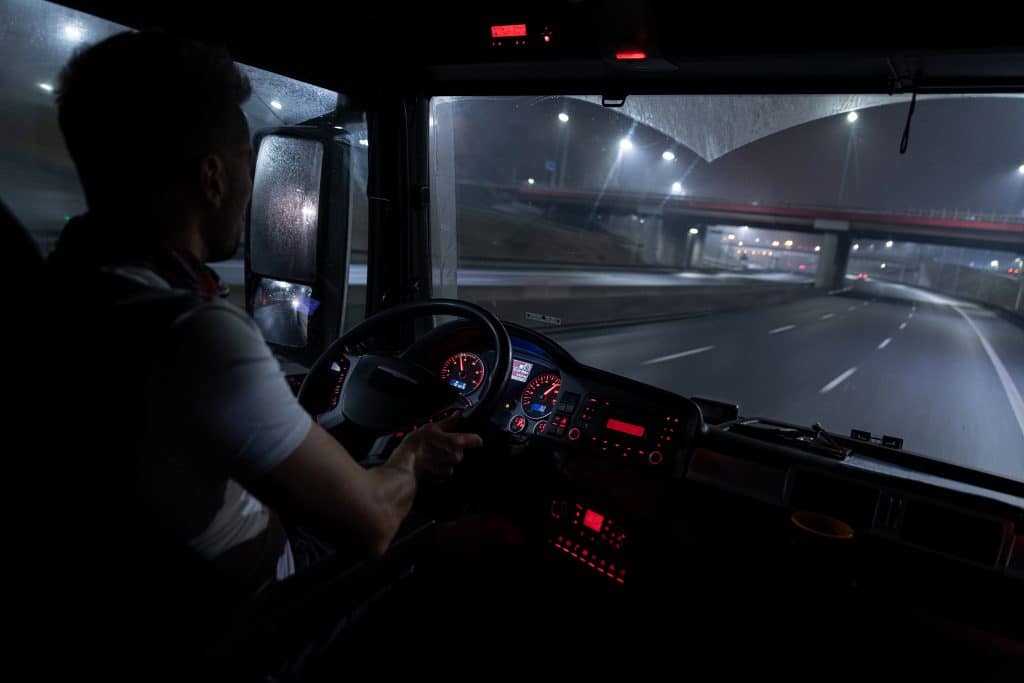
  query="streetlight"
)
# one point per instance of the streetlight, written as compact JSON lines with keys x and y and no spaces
{"x":994,"y":263}
{"x":625,"y":144}
{"x":851,"y":117}
{"x":817,"y":247}
{"x":563,"y":117}
{"x":694,"y":231}
{"x":46,"y":86}
{"x":788,"y":243}
{"x":677,"y":187}
{"x":883,"y":266}
{"x":888,"y":244}
{"x":1020,"y":169}
{"x":530,"y":181}
{"x":856,"y":247}
{"x":668,"y":155}
{"x":775,"y":243}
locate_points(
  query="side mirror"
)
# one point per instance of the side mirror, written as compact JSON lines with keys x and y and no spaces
{"x":296,"y":248}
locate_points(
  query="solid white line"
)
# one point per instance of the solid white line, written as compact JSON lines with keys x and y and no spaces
{"x":827,"y":316}
{"x":1012,"y":395}
{"x":851,"y":308}
{"x":903,"y":326}
{"x":781,"y":329}
{"x":681,"y":354}
{"x":837,"y":381}
{"x":884,"y":343}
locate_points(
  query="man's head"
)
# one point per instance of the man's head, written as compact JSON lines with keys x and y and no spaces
{"x":155,"y":128}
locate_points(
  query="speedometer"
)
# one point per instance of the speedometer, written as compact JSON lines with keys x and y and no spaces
{"x":540,"y":395}
{"x":464,"y":371}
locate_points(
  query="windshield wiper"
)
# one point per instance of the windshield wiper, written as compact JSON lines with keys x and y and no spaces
{"x":815,"y":440}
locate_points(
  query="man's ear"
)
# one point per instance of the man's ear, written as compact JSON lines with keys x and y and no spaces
{"x":212,"y":180}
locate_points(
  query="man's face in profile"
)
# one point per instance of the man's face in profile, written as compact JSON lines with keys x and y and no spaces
{"x":225,"y":231}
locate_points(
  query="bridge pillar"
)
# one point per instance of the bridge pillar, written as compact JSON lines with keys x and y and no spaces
{"x":694,"y":248}
{"x":835,"y":252}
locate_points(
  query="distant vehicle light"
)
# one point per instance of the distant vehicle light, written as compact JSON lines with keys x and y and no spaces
{"x":46,"y":86}
{"x":677,"y":187}
{"x":625,"y":144}
{"x":883,"y":266}
{"x":788,"y":243}
{"x":739,"y":244}
{"x":668,"y":155}
{"x":730,"y":236}
{"x":694,"y":231}
{"x":852,"y":116}
{"x":994,"y":263}
{"x":888,"y":244}
{"x":817,"y":247}
{"x":364,"y":142}
{"x":276,"y":105}
{"x":856,"y":247}
{"x":802,"y":267}
{"x":630,"y":55}
{"x":775,"y":243}
{"x":563,"y":117}
{"x":1020,"y":169}
{"x":530,"y":181}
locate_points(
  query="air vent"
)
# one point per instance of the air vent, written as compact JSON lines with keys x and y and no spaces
{"x":943,"y":530}
{"x":850,"y":502}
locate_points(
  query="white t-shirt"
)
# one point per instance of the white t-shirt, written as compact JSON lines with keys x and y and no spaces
{"x":221,"y":414}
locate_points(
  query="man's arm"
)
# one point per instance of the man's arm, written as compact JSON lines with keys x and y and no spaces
{"x":322,"y":482}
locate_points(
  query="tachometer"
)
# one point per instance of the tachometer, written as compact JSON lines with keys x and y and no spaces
{"x":464,"y":371}
{"x":540,"y":395}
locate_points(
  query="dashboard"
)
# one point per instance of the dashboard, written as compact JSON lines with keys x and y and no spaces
{"x":553,"y":398}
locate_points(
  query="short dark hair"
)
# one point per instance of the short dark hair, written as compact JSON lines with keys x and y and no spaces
{"x":137,"y":108}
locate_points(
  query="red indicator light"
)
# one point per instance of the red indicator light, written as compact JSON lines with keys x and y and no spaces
{"x":593,"y":520}
{"x":508,"y":31}
{"x":624,"y":427}
{"x":630,"y":55}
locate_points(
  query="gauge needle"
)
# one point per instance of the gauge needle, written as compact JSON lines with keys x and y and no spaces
{"x":553,"y":387}
{"x":462,"y":365}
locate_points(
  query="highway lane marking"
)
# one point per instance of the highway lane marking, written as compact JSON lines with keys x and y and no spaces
{"x":903,"y":326}
{"x":910,"y":315}
{"x":837,"y":381}
{"x":884,"y":343}
{"x":1012,"y":395}
{"x":681,"y":354}
{"x":852,"y":308}
{"x":827,"y":316}
{"x":784,"y":328}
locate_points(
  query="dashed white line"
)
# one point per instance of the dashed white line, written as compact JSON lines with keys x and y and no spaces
{"x":784,"y":328}
{"x":1012,"y":395}
{"x":884,"y":343}
{"x":827,"y":316}
{"x":910,"y":315}
{"x":852,"y":308}
{"x":681,"y":354}
{"x":837,"y":381}
{"x":903,"y":326}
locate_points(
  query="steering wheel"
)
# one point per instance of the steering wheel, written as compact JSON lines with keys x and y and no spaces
{"x":383,"y":393}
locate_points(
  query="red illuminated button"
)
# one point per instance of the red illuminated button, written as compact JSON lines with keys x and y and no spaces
{"x":655,"y":458}
{"x":541,"y":427}
{"x":517,"y":424}
{"x":574,"y":434}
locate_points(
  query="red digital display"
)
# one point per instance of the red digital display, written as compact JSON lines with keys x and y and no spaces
{"x":593,"y":520}
{"x":508,"y":31}
{"x":630,"y":55}
{"x":624,"y":427}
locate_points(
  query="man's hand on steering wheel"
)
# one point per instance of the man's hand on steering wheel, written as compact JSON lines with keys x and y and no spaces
{"x":433,"y":450}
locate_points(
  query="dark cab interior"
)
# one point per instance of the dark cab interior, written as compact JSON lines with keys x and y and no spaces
{"x":607,"y":525}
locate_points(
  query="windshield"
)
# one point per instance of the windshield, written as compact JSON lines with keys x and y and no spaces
{"x":778,"y":252}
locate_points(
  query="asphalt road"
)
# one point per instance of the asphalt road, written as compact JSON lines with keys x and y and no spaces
{"x":945,"y":375}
